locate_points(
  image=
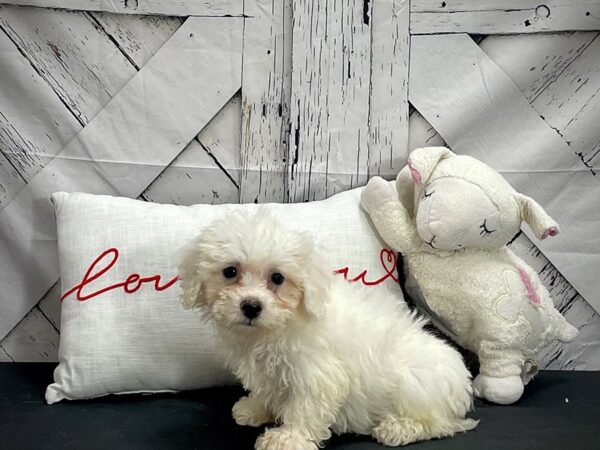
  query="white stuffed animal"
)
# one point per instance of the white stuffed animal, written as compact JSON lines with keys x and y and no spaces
{"x":451,"y":217}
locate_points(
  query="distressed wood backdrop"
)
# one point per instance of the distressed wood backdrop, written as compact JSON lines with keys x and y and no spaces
{"x":215,"y":101}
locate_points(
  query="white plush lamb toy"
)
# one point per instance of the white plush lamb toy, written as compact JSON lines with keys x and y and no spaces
{"x":451,"y":217}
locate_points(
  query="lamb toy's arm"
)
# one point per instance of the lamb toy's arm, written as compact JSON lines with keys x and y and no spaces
{"x":380,"y":200}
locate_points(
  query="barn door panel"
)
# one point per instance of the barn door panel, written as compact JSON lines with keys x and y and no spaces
{"x":209,"y":8}
{"x":349,"y":114}
{"x":101,"y":157}
{"x":265,"y":100}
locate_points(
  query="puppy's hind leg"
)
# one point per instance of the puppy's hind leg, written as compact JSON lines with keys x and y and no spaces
{"x":248,"y":411}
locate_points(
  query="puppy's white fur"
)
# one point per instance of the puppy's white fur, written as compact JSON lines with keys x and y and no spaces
{"x":323,"y":354}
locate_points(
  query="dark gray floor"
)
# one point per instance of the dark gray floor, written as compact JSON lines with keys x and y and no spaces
{"x":543,"y":419}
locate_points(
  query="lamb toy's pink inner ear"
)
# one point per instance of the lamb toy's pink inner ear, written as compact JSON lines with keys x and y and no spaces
{"x":552,"y":231}
{"x":416,"y":176}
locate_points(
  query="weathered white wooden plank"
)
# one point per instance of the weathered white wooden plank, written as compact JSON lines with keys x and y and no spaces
{"x":565,"y":91}
{"x":200,"y":174}
{"x":504,"y":131}
{"x":160,"y":7}
{"x":34,"y":123}
{"x":50,"y":305}
{"x":572,"y":105}
{"x":535,"y":61}
{"x":265,"y":100}
{"x":194,"y":167}
{"x":72,"y":53}
{"x":139,"y":37}
{"x":34,"y":340}
{"x":584,"y":352}
{"x":388,"y":102}
{"x":222,"y":136}
{"x":330,"y":98}
{"x":207,"y":170}
{"x":4,"y":356}
{"x":503,"y":16}
{"x":421,"y":133}
{"x":10,"y":180}
{"x":204,"y":67}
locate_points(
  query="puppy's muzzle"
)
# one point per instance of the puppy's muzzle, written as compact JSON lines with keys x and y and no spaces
{"x":251,"y":308}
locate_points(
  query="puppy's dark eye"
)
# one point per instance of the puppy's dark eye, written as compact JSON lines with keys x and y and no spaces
{"x":230,"y":272}
{"x":277,"y":278}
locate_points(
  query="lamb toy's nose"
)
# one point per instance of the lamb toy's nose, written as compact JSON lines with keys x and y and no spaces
{"x":251,"y":308}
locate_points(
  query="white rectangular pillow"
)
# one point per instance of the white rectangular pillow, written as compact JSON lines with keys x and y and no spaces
{"x":123,"y":329}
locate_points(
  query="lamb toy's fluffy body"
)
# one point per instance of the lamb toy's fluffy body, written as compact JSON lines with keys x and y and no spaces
{"x":451,"y":217}
{"x":316,"y":353}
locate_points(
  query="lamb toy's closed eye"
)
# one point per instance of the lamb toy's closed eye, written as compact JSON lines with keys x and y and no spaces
{"x":451,"y":217}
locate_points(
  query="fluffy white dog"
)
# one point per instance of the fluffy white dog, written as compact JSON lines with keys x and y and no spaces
{"x":315,"y":352}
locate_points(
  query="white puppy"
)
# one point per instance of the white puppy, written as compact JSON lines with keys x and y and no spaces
{"x":315,"y":352}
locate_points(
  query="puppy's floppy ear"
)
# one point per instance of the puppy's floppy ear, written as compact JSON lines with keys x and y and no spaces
{"x":534,"y":215}
{"x":191,"y":284}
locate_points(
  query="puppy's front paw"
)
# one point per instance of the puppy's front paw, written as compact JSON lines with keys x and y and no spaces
{"x":283,"y":439}
{"x":248,"y":412}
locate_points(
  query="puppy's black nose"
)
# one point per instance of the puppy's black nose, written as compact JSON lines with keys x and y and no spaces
{"x":251,"y":308}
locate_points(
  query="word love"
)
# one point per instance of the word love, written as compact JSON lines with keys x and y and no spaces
{"x":131,"y":284}
{"x":108,"y":258}
{"x":388,"y":260}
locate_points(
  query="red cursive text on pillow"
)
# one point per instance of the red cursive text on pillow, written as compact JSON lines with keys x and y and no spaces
{"x":108,"y":258}
{"x":133,"y":282}
{"x":388,"y":260}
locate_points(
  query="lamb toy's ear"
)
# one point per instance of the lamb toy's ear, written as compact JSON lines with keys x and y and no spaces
{"x":422,"y":161}
{"x":538,"y":220}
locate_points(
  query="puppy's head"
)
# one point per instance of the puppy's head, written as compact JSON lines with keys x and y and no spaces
{"x":250,"y":274}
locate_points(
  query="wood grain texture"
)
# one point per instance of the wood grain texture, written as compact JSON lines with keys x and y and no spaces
{"x":160,"y":7}
{"x":34,"y":123}
{"x":388,"y":101}
{"x":184,"y":98}
{"x":11,"y":181}
{"x":35,"y":340}
{"x":560,"y":75}
{"x":73,"y":55}
{"x":265,"y":100}
{"x":540,"y":58}
{"x":421,"y":133}
{"x":571,"y":104}
{"x":330,"y":97}
{"x":502,"y":128}
{"x":138,"y":37}
{"x":216,"y":151}
{"x":503,"y":16}
{"x":4,"y":356}
{"x":208,"y":169}
{"x":49,"y":305}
